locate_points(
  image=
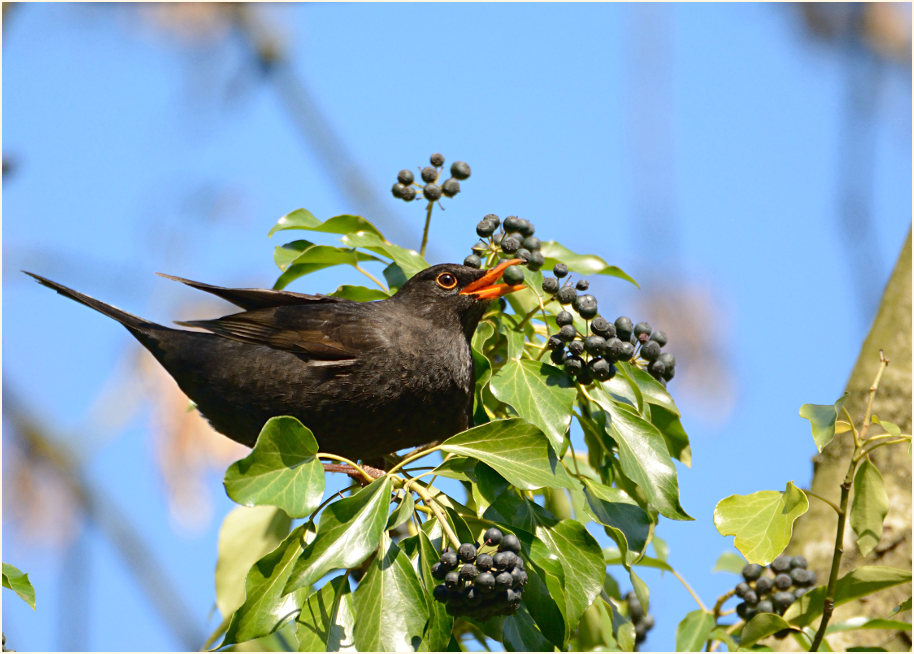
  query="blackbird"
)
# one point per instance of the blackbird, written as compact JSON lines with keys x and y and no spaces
{"x":368,"y":378}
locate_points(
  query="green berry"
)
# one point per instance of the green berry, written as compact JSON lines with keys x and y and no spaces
{"x":473,"y":261}
{"x":513,"y":275}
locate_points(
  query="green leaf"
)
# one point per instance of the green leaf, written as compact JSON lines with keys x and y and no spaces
{"x":762,"y":522}
{"x":869,"y":507}
{"x":522,"y":635}
{"x":247,"y":535}
{"x":642,"y":592}
{"x":327,"y":619}
{"x":541,"y":394}
{"x":402,"y":513}
{"x":613,"y":508}
{"x":720,"y":633}
{"x":643,"y":456}
{"x":390,"y":605}
{"x":856,"y":583}
{"x":586,"y":264}
{"x":265,"y":608}
{"x":348,"y":531}
{"x":544,"y":598}
{"x":693,"y":631}
{"x":890,"y":427}
{"x":822,"y":418}
{"x":280,"y":471}
{"x":762,"y":626}
{"x":18,"y":582}
{"x":359,"y":293}
{"x":318,"y":257}
{"x":409,"y":261}
{"x":861,"y":622}
{"x":904,"y":606}
{"x":570,"y":544}
{"x":729,"y":562}
{"x":517,"y":450}
{"x":438,"y":630}
{"x":663,"y":412}
{"x":304,"y":219}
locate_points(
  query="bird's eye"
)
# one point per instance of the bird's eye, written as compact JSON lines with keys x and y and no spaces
{"x":446,"y":281}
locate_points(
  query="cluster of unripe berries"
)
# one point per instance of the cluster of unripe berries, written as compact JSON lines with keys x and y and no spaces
{"x":514,"y":240}
{"x":762,"y":592}
{"x":606,"y":343}
{"x":643,"y":622}
{"x":406,"y":186}
{"x":481,"y":584}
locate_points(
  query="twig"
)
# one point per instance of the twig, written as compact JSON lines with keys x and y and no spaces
{"x":428,"y":219}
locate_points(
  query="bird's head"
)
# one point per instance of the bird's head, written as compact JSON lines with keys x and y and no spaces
{"x":449,"y":291}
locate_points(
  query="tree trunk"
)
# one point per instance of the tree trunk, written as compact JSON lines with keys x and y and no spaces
{"x":814,"y":533}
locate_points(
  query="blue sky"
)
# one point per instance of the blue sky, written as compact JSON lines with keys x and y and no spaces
{"x":698,"y":147}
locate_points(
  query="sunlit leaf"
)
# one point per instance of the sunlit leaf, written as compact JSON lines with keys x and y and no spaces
{"x":280,"y":471}
{"x":857,"y":583}
{"x":348,"y":531}
{"x":410,"y":261}
{"x":729,"y":562}
{"x":402,"y":513}
{"x":694,"y":630}
{"x":541,"y":394}
{"x":861,"y":622}
{"x":613,"y":508}
{"x":586,"y":264}
{"x":822,"y":418}
{"x":762,"y":522}
{"x":869,"y":507}
{"x":18,"y":582}
{"x":304,"y":219}
{"x":516,"y":449}
{"x":247,"y":534}
{"x":359,"y":293}
{"x":327,"y":619}
{"x":318,"y":257}
{"x":762,"y":626}
{"x":390,"y":604}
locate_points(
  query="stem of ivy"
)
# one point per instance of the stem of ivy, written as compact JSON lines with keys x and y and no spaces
{"x":371,"y":277}
{"x":429,"y":501}
{"x":417,"y":455}
{"x":859,"y":452}
{"x":689,"y":588}
{"x":827,"y":501}
{"x":428,"y":219}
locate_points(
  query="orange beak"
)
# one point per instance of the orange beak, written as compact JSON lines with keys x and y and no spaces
{"x":485,"y":288}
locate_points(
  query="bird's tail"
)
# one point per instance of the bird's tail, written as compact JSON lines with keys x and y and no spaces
{"x":128,"y":320}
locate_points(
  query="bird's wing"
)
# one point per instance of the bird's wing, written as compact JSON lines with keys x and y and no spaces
{"x":333,"y":332}
{"x":256,"y":298}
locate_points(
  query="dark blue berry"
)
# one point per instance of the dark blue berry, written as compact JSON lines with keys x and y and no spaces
{"x":536,"y":261}
{"x":585,"y":305}
{"x":798,"y":562}
{"x":469,"y":572}
{"x":659,"y":337}
{"x":567,"y":333}
{"x":780,"y":564}
{"x":510,"y":244}
{"x":523,"y":253}
{"x":449,"y":559}
{"x":532,"y":243}
{"x":431,"y":192}
{"x":574,"y":364}
{"x":513,"y":275}
{"x":595,"y":345}
{"x":473,"y":261}
{"x":582,"y":285}
{"x":438,"y":570}
{"x":783,"y":581}
{"x":441,"y":593}
{"x":763,"y":585}
{"x":564,"y":318}
{"x":752,"y":571}
{"x":451,"y":187}
{"x":484,"y":562}
{"x":485,"y":582}
{"x":493,"y":536}
{"x":782,"y":600}
{"x":576,"y":347}
{"x":765,"y":606}
{"x":650,"y":351}
{"x":550,"y":285}
{"x":554,"y":342}
{"x":510,"y":543}
{"x":657,"y":369}
{"x":429,"y":174}
{"x":466,"y":552}
{"x":451,"y":579}
{"x":566,"y":295}
{"x":485,"y":227}
{"x":503,"y":581}
{"x":560,"y":270}
{"x":741,"y":589}
{"x":628,"y":350}
{"x":512,"y":223}
{"x":642,"y":329}
{"x":409,"y":194}
{"x":602,"y":369}
{"x":405,"y":177}
{"x":525,"y":227}
{"x":436,"y":159}
{"x":460,"y":169}
{"x":602,"y":327}
{"x":397,"y":190}
{"x":558,"y":356}
{"x":624,"y":327}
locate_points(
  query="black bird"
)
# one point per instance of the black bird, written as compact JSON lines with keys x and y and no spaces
{"x":368,"y":378}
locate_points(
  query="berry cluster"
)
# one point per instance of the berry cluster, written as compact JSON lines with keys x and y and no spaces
{"x":788,"y":580}
{"x":515,"y":240}
{"x":591,"y":356}
{"x":406,"y":185}
{"x":485,"y":584}
{"x":642,"y":621}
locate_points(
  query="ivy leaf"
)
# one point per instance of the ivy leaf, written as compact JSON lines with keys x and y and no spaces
{"x":304,"y":219}
{"x":517,"y":450}
{"x":348,"y":531}
{"x":522,"y":635}
{"x":390,"y":605}
{"x":762,"y":626}
{"x":541,"y":394}
{"x":762,"y":522}
{"x":265,"y":608}
{"x":643,"y":456}
{"x":402,"y":513}
{"x":822,"y":418}
{"x":247,"y":534}
{"x":359,"y":293}
{"x":568,"y":543}
{"x":729,"y":562}
{"x":280,"y":471}
{"x":327,"y":619}
{"x":544,"y":599}
{"x":438,"y":629}
{"x":869,"y":507}
{"x":693,"y":631}
{"x":586,"y":264}
{"x":409,"y":261}
{"x":613,"y":508}
{"x":855,"y":584}
{"x":662,"y":412}
{"x":318,"y":257}
{"x":861,"y":622}
{"x":18,"y":582}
